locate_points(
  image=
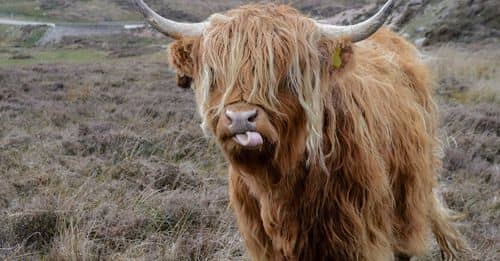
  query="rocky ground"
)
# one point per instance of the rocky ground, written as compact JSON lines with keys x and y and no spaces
{"x":102,"y":158}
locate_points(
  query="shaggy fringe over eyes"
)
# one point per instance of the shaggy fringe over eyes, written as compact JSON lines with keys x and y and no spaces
{"x":238,"y":52}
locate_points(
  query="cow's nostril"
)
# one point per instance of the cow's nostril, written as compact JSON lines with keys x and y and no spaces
{"x":253,"y":117}
{"x":241,"y":116}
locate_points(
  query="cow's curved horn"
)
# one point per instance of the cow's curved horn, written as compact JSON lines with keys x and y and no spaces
{"x":168,"y":27}
{"x":360,"y":31}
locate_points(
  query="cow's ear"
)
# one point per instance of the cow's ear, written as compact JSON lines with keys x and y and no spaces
{"x":181,"y":60}
{"x":336,"y":55}
{"x":341,"y":56}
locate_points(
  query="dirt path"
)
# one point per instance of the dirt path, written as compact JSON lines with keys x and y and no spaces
{"x":8,"y":21}
{"x":57,"y":31}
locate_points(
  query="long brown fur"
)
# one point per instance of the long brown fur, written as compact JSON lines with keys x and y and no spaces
{"x":352,"y":159}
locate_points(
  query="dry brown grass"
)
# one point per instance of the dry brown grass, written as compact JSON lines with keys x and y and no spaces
{"x":468,"y":75}
{"x":107,"y":161}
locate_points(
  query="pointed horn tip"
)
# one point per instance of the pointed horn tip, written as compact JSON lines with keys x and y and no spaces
{"x":143,"y":8}
{"x":166,"y":26}
{"x":362,"y":30}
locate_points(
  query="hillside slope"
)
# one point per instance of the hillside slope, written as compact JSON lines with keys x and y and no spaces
{"x":119,"y":10}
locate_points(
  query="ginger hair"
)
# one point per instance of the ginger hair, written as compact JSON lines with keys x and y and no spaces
{"x":355,"y":178}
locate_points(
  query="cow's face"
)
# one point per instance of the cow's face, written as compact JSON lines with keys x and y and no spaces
{"x":254,"y":77}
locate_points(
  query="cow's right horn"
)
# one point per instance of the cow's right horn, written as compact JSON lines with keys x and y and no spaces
{"x":360,"y":31}
{"x":168,"y":27}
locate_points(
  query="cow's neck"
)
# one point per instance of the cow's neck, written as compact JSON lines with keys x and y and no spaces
{"x":291,"y":189}
{"x":283,"y":199}
{"x":270,"y":179}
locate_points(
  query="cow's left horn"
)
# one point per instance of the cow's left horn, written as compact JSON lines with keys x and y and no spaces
{"x":168,"y":27}
{"x":360,"y":31}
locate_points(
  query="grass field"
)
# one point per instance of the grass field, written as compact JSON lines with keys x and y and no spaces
{"x":102,"y":157}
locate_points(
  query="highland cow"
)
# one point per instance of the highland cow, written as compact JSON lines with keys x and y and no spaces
{"x":329,"y":131}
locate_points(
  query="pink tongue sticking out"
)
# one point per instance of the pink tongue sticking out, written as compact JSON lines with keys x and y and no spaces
{"x":249,"y":139}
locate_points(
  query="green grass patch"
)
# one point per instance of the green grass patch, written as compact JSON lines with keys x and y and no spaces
{"x":32,"y":38}
{"x":53,"y":56}
{"x":22,"y":8}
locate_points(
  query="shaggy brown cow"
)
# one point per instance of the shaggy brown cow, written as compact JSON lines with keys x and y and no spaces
{"x":330,"y":132}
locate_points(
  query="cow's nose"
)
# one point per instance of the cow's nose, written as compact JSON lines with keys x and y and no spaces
{"x":241,"y":121}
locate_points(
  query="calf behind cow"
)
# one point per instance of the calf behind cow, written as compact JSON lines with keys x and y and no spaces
{"x":330,"y":132}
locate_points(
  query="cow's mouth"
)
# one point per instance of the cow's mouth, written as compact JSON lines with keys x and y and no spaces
{"x":249,"y":139}
{"x":244,"y":130}
{"x":244,"y":146}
